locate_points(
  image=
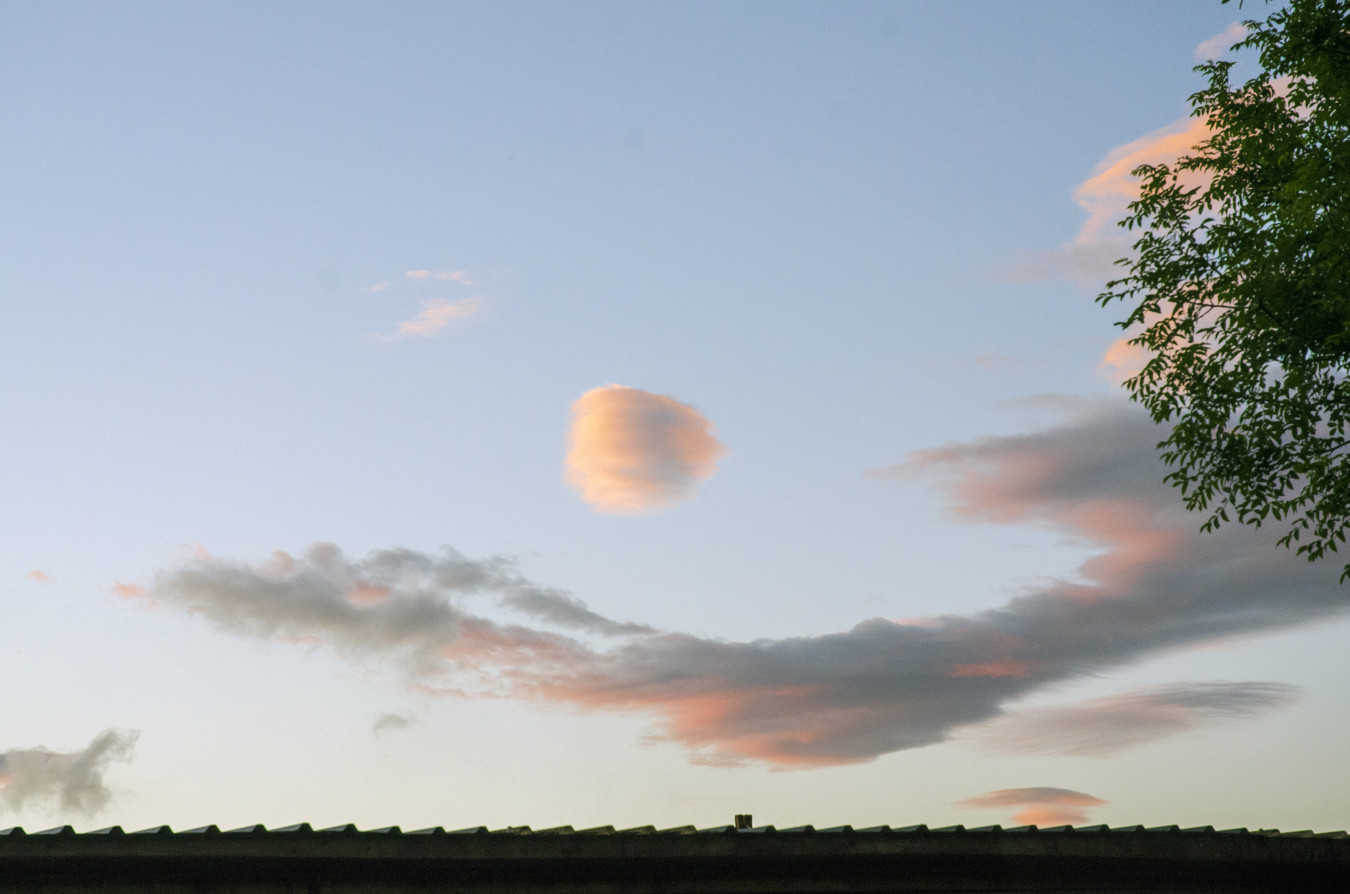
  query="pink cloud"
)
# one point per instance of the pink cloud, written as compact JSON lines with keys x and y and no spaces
{"x":1051,"y":816}
{"x":1123,"y":360}
{"x":41,"y":577}
{"x":993,"y":669}
{"x":633,"y":451}
{"x":367,"y":593}
{"x":1112,"y":185}
{"x":1042,"y":805}
{"x":460,"y":276}
{"x":1218,"y":46}
{"x":1153,"y":585}
{"x":129,"y":591}
{"x":1089,"y":258}
{"x":435,"y":316}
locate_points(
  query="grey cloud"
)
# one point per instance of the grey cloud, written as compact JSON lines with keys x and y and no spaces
{"x":1155,"y":584}
{"x":1102,"y":727}
{"x":388,"y":721}
{"x":565,"y":610}
{"x":399,"y":604}
{"x":73,"y":779}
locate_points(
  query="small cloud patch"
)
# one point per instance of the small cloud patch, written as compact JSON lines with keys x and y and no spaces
{"x":387,"y":722}
{"x":1041,"y":805}
{"x":633,"y":451}
{"x":460,"y":276}
{"x":71,"y":779}
{"x":436,"y":315}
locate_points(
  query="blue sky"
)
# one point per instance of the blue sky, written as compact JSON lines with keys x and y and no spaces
{"x":822,"y":238}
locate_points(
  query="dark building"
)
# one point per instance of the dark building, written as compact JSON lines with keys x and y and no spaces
{"x":750,"y":860}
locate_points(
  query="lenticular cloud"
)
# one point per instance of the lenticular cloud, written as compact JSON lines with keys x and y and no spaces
{"x":1042,"y":805}
{"x":633,"y":451}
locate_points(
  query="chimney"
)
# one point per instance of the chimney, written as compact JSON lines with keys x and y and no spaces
{"x":744,"y":821}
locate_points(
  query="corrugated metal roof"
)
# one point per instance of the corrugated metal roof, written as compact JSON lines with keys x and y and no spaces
{"x":647,"y":860}
{"x":350,"y":829}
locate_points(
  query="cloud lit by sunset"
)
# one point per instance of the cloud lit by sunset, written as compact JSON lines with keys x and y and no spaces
{"x":1090,"y":257}
{"x":1041,"y":806}
{"x":1154,"y":585}
{"x":633,"y":451}
{"x":604,"y":414}
{"x":436,"y":315}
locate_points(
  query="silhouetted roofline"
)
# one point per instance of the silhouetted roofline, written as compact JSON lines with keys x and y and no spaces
{"x":717,"y":859}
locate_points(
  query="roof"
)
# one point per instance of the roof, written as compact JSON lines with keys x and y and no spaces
{"x":722,"y":858}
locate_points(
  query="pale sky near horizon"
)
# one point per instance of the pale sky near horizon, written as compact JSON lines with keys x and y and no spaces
{"x":614,"y":413}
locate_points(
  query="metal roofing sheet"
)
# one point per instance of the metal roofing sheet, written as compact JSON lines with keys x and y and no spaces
{"x":304,"y":829}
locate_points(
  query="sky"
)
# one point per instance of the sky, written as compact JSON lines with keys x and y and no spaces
{"x":615,"y":413}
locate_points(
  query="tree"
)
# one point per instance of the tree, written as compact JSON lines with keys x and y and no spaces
{"x":1240,"y":287}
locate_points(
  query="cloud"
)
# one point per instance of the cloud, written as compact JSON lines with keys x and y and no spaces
{"x":377,"y":287}
{"x":399,"y":604}
{"x":1044,"y":806}
{"x":1123,"y":360}
{"x":436,"y":315}
{"x":41,"y":577}
{"x":73,"y":779}
{"x":387,"y":721}
{"x":1086,"y":264}
{"x":634,"y":451}
{"x":1106,"y":194}
{"x":1102,"y":727}
{"x":565,"y":610}
{"x":1218,"y":45}
{"x":1089,"y":259}
{"x":1154,"y":585}
{"x":460,"y":276}
{"x":994,"y":362}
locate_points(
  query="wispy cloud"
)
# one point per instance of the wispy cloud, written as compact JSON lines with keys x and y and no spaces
{"x":72,"y":779}
{"x":1102,"y":727}
{"x":463,"y":277}
{"x":1218,"y":46}
{"x":41,"y":577}
{"x":1089,"y":258}
{"x":1155,"y":584}
{"x":1042,"y":805}
{"x":1122,"y":359}
{"x":994,"y":362}
{"x":378,"y":287}
{"x":435,"y":316}
{"x":1086,"y":264}
{"x":398,"y":603}
{"x":387,"y":721}
{"x":634,"y":451}
{"x":1106,"y":194}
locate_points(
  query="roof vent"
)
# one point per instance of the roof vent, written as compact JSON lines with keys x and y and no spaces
{"x":744,"y":821}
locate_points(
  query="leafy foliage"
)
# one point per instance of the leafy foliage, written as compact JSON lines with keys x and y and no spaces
{"x":1240,"y":287}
